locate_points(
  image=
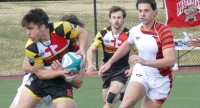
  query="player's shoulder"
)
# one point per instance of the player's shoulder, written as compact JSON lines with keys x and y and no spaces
{"x":126,"y":29}
{"x":105,"y":30}
{"x":61,"y":25}
{"x":161,"y":25}
{"x":135,"y":28}
{"x":31,"y":46}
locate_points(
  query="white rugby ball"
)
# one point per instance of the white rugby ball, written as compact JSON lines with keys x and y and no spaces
{"x":72,"y":62}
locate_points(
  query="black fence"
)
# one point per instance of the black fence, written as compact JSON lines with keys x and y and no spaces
{"x":94,"y":13}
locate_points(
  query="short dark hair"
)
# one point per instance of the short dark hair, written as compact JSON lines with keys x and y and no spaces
{"x":152,"y":3}
{"x":37,"y":16}
{"x":116,"y":9}
{"x":72,"y":19}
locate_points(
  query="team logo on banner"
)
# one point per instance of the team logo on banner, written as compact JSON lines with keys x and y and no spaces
{"x":183,"y":13}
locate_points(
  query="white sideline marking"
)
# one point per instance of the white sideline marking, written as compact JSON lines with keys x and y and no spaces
{"x":187,"y":76}
{"x":184,"y":98}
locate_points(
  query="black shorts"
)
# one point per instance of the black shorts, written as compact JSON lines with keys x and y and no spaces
{"x":56,"y":87}
{"x":114,"y":74}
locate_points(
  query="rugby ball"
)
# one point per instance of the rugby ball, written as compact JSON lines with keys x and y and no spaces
{"x":72,"y":62}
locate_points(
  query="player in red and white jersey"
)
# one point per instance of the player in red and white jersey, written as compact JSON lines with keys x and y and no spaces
{"x":151,"y":77}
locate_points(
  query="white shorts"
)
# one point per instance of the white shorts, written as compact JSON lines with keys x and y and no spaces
{"x":46,"y":100}
{"x":157,"y":88}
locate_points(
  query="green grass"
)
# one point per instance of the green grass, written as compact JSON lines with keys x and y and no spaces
{"x":185,"y":92}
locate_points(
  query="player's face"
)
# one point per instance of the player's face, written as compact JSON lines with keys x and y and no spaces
{"x":117,"y":19}
{"x":33,"y":31}
{"x":146,"y":14}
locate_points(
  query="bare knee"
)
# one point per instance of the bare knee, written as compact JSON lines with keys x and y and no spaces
{"x":127,"y":103}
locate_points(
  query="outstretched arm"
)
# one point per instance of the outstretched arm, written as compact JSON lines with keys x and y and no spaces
{"x":195,"y":42}
{"x":168,"y":60}
{"x":121,"y":51}
{"x":41,"y":72}
{"x":83,"y":40}
{"x":91,"y":66}
{"x":77,"y":81}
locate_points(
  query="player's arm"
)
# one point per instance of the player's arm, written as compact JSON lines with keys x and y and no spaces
{"x":168,"y":60}
{"x":83,"y":40}
{"x":41,"y":72}
{"x":121,"y":51}
{"x":195,"y":42}
{"x":82,"y":37}
{"x":93,"y":48}
{"x":78,"y":80}
{"x":91,"y":66}
{"x":26,"y":67}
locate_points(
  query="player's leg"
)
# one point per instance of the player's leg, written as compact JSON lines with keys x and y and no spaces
{"x":16,"y":99}
{"x":136,"y":88}
{"x":19,"y":90}
{"x":134,"y":92}
{"x":148,"y":103}
{"x":120,"y":77}
{"x":114,"y":90}
{"x":160,"y":89}
{"x":120,"y":96}
{"x":64,"y":102}
{"x":39,"y":104}
{"x":104,"y":93}
{"x":47,"y":101}
{"x":27,"y":101}
{"x":106,"y":77}
{"x":31,"y":92}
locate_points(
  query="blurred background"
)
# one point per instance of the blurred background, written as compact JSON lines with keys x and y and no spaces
{"x":94,"y":14}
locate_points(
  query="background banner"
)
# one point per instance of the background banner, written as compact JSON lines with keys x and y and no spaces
{"x":182,"y":13}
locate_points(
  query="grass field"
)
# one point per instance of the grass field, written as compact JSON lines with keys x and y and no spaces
{"x":185,"y":92}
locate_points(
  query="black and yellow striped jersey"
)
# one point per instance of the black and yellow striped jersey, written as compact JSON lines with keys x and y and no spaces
{"x":61,"y":34}
{"x":110,"y":43}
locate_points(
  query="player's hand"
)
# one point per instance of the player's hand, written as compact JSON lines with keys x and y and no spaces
{"x":128,"y":72}
{"x":56,"y":65}
{"x":195,"y":42}
{"x":69,"y":77}
{"x":104,"y":68}
{"x":91,"y":68}
{"x":82,"y":52}
{"x":137,"y":59}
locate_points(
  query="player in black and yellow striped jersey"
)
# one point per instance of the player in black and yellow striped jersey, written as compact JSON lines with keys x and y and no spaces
{"x":47,"y":101}
{"x":111,"y":38}
{"x":47,"y":43}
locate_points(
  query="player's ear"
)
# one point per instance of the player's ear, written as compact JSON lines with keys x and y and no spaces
{"x":42,"y":27}
{"x":155,"y":13}
{"x":124,"y":19}
{"x":110,"y":19}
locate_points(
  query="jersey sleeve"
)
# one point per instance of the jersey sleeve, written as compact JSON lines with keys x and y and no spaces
{"x":166,"y":37}
{"x":70,"y":30}
{"x":31,"y":52}
{"x":131,"y":37}
{"x":98,"y":40}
